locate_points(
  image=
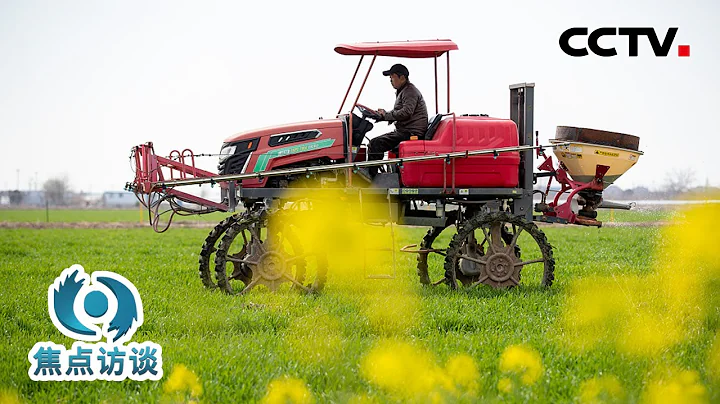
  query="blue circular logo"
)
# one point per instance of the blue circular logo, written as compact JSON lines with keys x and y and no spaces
{"x":96,"y":304}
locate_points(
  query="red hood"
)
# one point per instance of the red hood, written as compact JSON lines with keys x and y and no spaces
{"x":291,"y":127}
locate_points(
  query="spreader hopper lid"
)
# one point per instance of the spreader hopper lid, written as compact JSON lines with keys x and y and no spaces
{"x":589,"y":148}
{"x":598,"y":137}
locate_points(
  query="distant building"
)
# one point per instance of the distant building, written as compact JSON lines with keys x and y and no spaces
{"x":6,"y":198}
{"x":22,"y":198}
{"x":33,"y":198}
{"x":94,"y":200}
{"x":119,"y":199}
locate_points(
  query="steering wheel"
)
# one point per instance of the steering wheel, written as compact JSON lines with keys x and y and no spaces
{"x":368,"y":112}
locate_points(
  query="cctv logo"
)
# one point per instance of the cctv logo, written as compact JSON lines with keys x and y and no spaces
{"x":633,"y":35}
{"x":78,"y":303}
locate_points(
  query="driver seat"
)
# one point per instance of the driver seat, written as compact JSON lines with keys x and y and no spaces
{"x":432,"y":126}
{"x":429,"y":133}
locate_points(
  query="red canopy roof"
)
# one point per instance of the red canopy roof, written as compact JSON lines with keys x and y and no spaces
{"x":403,"y":49}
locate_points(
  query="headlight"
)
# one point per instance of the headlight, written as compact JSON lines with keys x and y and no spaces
{"x":226,"y":152}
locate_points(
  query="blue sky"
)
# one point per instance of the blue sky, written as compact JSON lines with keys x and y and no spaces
{"x":81,"y":82}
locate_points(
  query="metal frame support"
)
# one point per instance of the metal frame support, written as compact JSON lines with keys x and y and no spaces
{"x":437,"y":110}
{"x":522,"y":99}
{"x":232,"y":196}
{"x":351,"y":84}
{"x":148,"y":186}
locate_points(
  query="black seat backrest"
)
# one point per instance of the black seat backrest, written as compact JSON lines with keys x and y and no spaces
{"x":360,"y":127}
{"x":432,"y":126}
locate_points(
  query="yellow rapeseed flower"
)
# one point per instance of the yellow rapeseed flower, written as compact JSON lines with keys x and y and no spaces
{"x":522,"y":361}
{"x":683,"y":387}
{"x":647,"y":315}
{"x":505,"y":385}
{"x":464,"y":373}
{"x":183,"y":381}
{"x":391,"y":309}
{"x":332,"y":225}
{"x":647,"y":332}
{"x":400,"y":368}
{"x":315,"y":338}
{"x":713,"y":364}
{"x":8,"y":396}
{"x":362,"y":399}
{"x":409,"y":373}
{"x":603,"y":389}
{"x":592,"y":306}
{"x":288,"y":391}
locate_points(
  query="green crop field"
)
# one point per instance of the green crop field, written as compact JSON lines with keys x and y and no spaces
{"x":134,"y":215}
{"x":93,"y":216}
{"x":364,"y":340}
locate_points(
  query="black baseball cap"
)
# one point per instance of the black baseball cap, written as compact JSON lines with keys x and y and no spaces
{"x":398,"y":69}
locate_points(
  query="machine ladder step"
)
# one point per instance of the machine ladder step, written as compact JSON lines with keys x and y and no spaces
{"x":390,"y":250}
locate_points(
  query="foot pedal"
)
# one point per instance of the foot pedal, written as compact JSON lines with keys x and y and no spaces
{"x":364,"y":174}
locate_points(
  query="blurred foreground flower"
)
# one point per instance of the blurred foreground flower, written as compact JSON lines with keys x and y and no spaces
{"x":647,"y":315}
{"x":336,"y":227}
{"x":288,"y":391}
{"x":391,"y":309}
{"x":681,"y":387}
{"x":713,"y":364}
{"x":8,"y":396}
{"x":603,"y":389}
{"x":519,"y":363}
{"x":315,"y":338}
{"x":463,"y":372}
{"x":409,"y":373}
{"x":182,"y":385}
{"x":363,"y":399}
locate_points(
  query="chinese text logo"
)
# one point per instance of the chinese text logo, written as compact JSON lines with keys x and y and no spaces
{"x":78,"y":303}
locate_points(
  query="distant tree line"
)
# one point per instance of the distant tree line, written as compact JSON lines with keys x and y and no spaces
{"x":56,"y":190}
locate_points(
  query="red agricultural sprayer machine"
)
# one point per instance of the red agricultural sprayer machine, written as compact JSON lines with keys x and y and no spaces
{"x":472,"y":171}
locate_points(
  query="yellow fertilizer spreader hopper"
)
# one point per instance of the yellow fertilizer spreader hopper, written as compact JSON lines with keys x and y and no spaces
{"x":590,"y":160}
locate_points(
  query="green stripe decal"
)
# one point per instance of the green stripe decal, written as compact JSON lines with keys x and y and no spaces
{"x":264,"y":159}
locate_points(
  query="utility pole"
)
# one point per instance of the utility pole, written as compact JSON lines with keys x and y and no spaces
{"x":18,"y":179}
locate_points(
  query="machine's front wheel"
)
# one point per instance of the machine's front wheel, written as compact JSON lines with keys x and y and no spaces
{"x":209,"y":248}
{"x":264,"y":249}
{"x":426,"y":247}
{"x":486,"y":250}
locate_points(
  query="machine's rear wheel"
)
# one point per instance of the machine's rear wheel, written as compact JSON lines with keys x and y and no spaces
{"x":426,"y":246}
{"x":208,"y":249}
{"x":486,"y":250}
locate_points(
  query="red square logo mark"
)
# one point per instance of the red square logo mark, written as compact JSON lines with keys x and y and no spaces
{"x":684,"y":50}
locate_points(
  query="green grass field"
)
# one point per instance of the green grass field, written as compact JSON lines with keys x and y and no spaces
{"x":237,"y":349}
{"x":659,"y":215}
{"x":134,"y":215}
{"x":90,"y":215}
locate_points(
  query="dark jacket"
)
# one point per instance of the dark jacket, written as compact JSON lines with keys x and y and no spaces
{"x":410,"y":112}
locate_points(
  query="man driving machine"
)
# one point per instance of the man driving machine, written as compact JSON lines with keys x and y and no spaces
{"x":409,"y":115}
